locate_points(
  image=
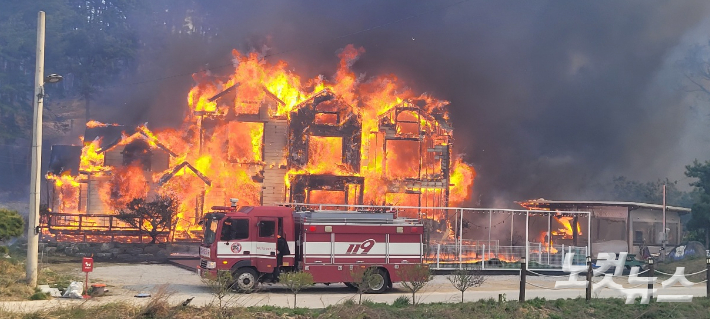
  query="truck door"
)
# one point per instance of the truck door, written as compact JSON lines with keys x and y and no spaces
{"x":234,"y":239}
{"x":266,"y":244}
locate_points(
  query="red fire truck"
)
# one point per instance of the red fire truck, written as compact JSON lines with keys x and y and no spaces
{"x":331,"y":245}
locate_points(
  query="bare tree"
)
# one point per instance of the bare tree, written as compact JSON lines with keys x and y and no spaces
{"x":151,"y":217}
{"x":414,"y":278}
{"x":364,"y":279}
{"x":221,"y":286}
{"x":462,"y":279}
{"x":296,"y":281}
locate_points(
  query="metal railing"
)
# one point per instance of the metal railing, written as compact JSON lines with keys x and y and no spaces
{"x":452,"y":256}
{"x":81,"y":227}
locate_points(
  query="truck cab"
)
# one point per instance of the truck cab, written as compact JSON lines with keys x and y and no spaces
{"x":243,"y":241}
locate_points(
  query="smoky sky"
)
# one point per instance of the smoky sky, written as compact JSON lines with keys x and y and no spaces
{"x":548,"y":98}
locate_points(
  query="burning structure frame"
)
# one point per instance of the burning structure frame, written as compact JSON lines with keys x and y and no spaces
{"x":258,"y":136}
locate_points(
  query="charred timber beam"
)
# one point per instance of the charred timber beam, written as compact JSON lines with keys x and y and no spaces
{"x":223,"y":93}
{"x":574,"y":230}
{"x":402,"y":138}
{"x":303,"y":125}
{"x":255,"y":118}
{"x":247,"y":163}
{"x":158,"y":143}
{"x":301,"y":185}
{"x":103,"y":233}
{"x":163,"y":179}
{"x":271,"y":95}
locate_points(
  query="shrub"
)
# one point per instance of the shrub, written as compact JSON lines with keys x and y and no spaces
{"x":400,"y":302}
{"x":296,"y":281}
{"x":39,"y":295}
{"x":414,"y":278}
{"x":462,"y":279}
{"x":11,"y":224}
{"x":151,"y":217}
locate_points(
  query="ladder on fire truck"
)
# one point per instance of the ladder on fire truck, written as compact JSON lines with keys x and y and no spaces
{"x":355,"y":217}
{"x":364,"y":213}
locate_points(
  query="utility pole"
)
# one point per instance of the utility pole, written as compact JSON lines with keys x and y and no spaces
{"x":35,"y":179}
{"x":665,"y":234}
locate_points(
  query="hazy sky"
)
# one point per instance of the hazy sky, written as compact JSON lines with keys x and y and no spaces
{"x":548,"y":98}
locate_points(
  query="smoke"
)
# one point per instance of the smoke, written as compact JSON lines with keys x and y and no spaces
{"x":548,"y":98}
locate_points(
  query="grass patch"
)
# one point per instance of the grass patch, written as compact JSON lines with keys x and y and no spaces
{"x":401,"y":301}
{"x":47,"y":276}
{"x":14,"y":287}
{"x":535,"y":308}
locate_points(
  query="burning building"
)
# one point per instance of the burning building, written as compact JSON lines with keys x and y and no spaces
{"x":620,"y":226}
{"x":264,"y":136}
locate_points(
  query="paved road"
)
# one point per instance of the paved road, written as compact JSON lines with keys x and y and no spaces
{"x":125,"y":281}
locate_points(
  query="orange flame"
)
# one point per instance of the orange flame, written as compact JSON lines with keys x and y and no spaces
{"x":566,"y":231}
{"x":223,"y":141}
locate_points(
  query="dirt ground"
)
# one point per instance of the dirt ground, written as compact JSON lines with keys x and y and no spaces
{"x":126,"y":281}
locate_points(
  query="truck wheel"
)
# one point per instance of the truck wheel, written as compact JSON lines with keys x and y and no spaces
{"x":379,"y":282}
{"x":245,"y":280}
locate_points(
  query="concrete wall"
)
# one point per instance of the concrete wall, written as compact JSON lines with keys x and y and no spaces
{"x":117,"y":252}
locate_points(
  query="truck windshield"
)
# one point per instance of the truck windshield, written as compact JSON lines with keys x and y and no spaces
{"x":210,"y":230}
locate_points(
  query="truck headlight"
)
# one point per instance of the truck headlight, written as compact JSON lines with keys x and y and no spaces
{"x":211,"y":264}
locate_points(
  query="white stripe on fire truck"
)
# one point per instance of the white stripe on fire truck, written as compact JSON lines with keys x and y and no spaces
{"x":250,"y":256}
{"x":395,"y":249}
{"x":361,"y":256}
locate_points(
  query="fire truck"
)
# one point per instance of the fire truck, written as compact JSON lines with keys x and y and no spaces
{"x":331,"y":245}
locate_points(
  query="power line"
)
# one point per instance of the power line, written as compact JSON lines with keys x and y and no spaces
{"x":307,"y":45}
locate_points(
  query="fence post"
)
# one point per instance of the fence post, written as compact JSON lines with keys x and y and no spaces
{"x":589,"y":278}
{"x":563,"y":254}
{"x":438,"y":250}
{"x":483,"y":260}
{"x":539,"y":253}
{"x":460,"y":238}
{"x":707,"y":276}
{"x":523,"y":272}
{"x":651,"y":272}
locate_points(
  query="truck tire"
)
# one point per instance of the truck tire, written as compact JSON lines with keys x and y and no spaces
{"x":245,"y":280}
{"x":380,"y":282}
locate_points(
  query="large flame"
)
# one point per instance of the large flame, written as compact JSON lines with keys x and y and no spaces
{"x":219,"y":153}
